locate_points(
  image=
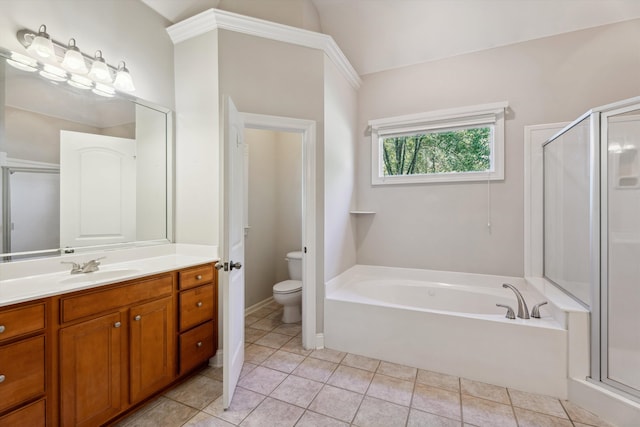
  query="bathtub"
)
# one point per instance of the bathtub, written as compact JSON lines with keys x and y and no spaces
{"x":449,"y":323}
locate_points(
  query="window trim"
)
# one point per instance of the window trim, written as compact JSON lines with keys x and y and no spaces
{"x":475,"y":115}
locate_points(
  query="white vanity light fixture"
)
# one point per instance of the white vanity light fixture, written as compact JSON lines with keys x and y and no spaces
{"x":76,"y":63}
{"x":103,"y":90}
{"x":23,"y":62}
{"x":54,"y":73}
{"x":73,"y":60}
{"x":41,"y":45}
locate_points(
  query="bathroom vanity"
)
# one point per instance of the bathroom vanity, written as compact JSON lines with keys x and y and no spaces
{"x":85,"y":357}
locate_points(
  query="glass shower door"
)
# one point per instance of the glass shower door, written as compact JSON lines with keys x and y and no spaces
{"x":621,"y":249}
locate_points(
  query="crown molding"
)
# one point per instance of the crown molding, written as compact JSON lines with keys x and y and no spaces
{"x":213,"y":19}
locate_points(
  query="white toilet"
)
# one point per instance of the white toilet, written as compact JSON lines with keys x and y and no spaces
{"x":289,"y":292}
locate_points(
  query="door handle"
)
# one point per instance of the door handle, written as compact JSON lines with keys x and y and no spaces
{"x":235,"y":265}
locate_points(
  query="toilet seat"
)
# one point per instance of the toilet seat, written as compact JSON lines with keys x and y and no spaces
{"x":287,"y":287}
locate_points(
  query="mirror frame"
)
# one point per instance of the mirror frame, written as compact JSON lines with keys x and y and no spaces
{"x":170,"y":188}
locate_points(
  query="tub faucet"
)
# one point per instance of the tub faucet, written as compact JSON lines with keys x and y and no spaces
{"x":523,"y":310}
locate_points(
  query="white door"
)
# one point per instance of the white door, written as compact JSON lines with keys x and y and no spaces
{"x":232,"y":280}
{"x":97,"y":189}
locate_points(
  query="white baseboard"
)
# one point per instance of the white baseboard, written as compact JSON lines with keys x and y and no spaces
{"x":319,"y":341}
{"x":216,"y":361}
{"x":258,"y":306}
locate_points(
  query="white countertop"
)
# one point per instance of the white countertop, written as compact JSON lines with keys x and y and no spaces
{"x":44,"y":283}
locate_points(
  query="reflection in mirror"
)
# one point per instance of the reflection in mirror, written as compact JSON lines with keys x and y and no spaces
{"x":79,"y":169}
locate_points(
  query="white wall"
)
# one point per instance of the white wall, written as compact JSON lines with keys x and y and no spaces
{"x":123,"y":30}
{"x":275,"y":209}
{"x":340,"y":109}
{"x":444,"y":226}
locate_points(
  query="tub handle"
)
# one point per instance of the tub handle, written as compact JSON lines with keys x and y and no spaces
{"x":535,"y":311}
{"x":510,"y":313}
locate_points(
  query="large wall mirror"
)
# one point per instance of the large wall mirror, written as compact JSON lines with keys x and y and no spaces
{"x":79,"y":169}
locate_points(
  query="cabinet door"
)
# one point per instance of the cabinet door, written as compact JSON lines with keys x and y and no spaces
{"x":90,"y":371}
{"x":152,"y":347}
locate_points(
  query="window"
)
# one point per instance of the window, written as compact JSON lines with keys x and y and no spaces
{"x":462,"y":144}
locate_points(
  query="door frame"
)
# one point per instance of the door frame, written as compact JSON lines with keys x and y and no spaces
{"x":307,"y":129}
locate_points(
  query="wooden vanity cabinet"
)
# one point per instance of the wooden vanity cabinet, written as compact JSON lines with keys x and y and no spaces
{"x":23,"y":364}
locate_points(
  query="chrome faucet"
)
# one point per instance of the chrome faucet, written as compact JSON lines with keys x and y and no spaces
{"x":523,"y":310}
{"x":87,"y":267}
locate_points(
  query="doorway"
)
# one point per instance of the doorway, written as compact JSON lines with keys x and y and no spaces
{"x":298,"y":141}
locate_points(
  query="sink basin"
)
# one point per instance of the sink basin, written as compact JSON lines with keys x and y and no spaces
{"x":97,"y":276}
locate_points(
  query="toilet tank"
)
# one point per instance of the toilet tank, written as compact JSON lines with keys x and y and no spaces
{"x":294,"y":262}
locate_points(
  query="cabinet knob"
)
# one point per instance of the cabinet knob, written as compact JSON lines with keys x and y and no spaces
{"x":138,"y":317}
{"x":117,"y":325}
{"x":199,"y":344}
{"x":199,"y":304}
{"x":2,"y":378}
{"x":199,"y":277}
{"x":1,"y":329}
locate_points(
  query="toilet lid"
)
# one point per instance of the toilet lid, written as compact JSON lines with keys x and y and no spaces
{"x":287,"y":287}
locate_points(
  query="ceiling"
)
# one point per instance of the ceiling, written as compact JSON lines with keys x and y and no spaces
{"x":378,"y":35}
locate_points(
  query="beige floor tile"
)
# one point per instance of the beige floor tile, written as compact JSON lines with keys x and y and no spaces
{"x":353,"y":379}
{"x":267,"y":324}
{"x":486,"y":413}
{"x":262,"y":380}
{"x":276,"y":315}
{"x":291,"y":329}
{"x":397,"y":371}
{"x":253,"y":335}
{"x":485,"y":391}
{"x":196,"y":392}
{"x":250,"y":319}
{"x":424,"y":419}
{"x":257,"y":354}
{"x":581,"y":415}
{"x":273,"y":305}
{"x":361,"y":362}
{"x":203,"y":419}
{"x":438,"y":401}
{"x":212,"y":372}
{"x":295,"y":346}
{"x":283,"y":361}
{"x":244,"y":401}
{"x":273,"y":413}
{"x":538,"y":403}
{"x":328,"y":355}
{"x":312,"y":419}
{"x":262,"y":312}
{"x":273,"y":340}
{"x":246,"y":368}
{"x":528,"y":418}
{"x":336,"y":403}
{"x":297,"y":391}
{"x":166,"y":413}
{"x":391,"y":389}
{"x":315,"y":369}
{"x":379,"y":413}
{"x":437,"y":379}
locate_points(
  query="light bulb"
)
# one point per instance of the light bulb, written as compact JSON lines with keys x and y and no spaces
{"x":41,"y":46}
{"x":123,"y":80}
{"x":54,"y":73}
{"x":73,"y":59}
{"x":99,"y":69}
{"x":103,"y":90}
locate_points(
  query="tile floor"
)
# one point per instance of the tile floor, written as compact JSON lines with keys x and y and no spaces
{"x":282,"y":384}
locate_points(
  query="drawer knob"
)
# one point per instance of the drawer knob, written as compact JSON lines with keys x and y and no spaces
{"x":199,"y":277}
{"x":199,"y":304}
{"x":138,"y":317}
{"x":2,"y":378}
{"x":2,"y":328}
{"x":117,"y":325}
{"x":199,"y":344}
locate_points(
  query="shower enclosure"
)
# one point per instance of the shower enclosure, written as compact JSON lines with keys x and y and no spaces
{"x":592,"y":233}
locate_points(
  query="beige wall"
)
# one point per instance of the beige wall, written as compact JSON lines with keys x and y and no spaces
{"x":275,"y":214}
{"x":123,"y":30}
{"x":444,"y":226}
{"x":296,"y":13}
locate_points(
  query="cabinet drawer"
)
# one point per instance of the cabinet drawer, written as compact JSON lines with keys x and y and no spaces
{"x":196,"y":306}
{"x":91,"y":304}
{"x":196,"y":276}
{"x":21,"y":321}
{"x":196,"y":346}
{"x":32,"y":415}
{"x":22,"y":371}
